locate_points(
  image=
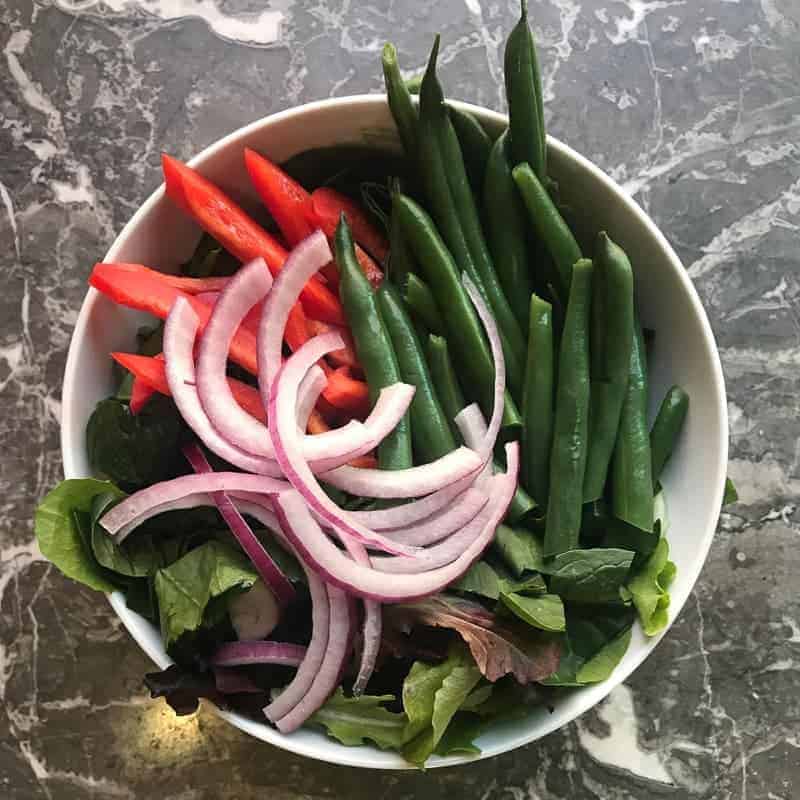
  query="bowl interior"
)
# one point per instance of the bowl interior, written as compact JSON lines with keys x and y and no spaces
{"x":684,"y":352}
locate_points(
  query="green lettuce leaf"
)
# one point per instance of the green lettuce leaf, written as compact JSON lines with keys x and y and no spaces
{"x":648,"y":589}
{"x":186,"y":587}
{"x":459,"y":738}
{"x":520,"y":549}
{"x":431,"y":697}
{"x":355,"y":720}
{"x":605,"y":660}
{"x":63,"y":531}
{"x":545,"y":612}
{"x":589,"y":576}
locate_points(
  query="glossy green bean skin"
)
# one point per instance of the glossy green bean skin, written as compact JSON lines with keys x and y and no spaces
{"x":548,"y":223}
{"x":537,"y":401}
{"x":373,"y":345}
{"x":400,"y":103}
{"x":613,"y":287}
{"x":631,"y":465}
{"x":422,"y":304}
{"x":475,"y":145}
{"x":461,"y":322}
{"x":435,"y":122}
{"x":667,"y":428}
{"x":430,"y":433}
{"x":451,"y":397}
{"x":506,"y":230}
{"x":524,"y":95}
{"x":401,"y":260}
{"x":571,"y":423}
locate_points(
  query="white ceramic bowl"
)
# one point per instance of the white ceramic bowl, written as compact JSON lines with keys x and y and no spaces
{"x":161,"y":236}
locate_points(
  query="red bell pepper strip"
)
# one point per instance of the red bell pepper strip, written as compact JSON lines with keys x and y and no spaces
{"x":346,"y":393}
{"x":188,"y":285}
{"x":239,"y":234}
{"x":328,"y":205}
{"x":346,"y":357}
{"x":157,"y":298}
{"x":141,"y":392}
{"x":285,"y":199}
{"x":152,"y":372}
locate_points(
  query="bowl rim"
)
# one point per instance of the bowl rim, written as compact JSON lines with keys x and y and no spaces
{"x":590,"y":696}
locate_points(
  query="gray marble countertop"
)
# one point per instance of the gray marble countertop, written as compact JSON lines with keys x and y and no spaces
{"x":691,"y":104}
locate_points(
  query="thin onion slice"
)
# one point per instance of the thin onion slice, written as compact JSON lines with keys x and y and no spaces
{"x":247,"y":287}
{"x":285,"y":440}
{"x":311,"y":387}
{"x":269,"y":571}
{"x":336,"y":568}
{"x":156,"y":499}
{"x":303,"y":262}
{"x":330,"y":670}
{"x":440,"y":525}
{"x":472,"y":425}
{"x":239,"y":654}
{"x":180,"y":333}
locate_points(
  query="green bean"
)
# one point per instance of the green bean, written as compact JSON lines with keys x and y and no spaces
{"x":475,"y":145}
{"x":419,"y":298}
{"x":524,"y":95}
{"x":401,"y":105}
{"x":460,"y":320}
{"x":613,"y":288}
{"x":430,"y":432}
{"x":401,"y":260}
{"x":373,"y":345}
{"x":666,"y":429}
{"x":571,"y":424}
{"x":505,"y":228}
{"x":631,"y":466}
{"x":537,"y":402}
{"x":451,"y":397}
{"x":548,"y":223}
{"x":435,"y":122}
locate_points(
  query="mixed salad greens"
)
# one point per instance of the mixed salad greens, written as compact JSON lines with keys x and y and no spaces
{"x":311,"y":473}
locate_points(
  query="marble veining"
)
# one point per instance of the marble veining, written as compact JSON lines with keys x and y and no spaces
{"x":691,"y":104}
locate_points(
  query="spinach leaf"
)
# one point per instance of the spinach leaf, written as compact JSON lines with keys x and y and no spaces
{"x":605,"y":660}
{"x":135,"y":451}
{"x":209,"y":259}
{"x":63,"y":531}
{"x":356,"y":720}
{"x":460,"y":735}
{"x":545,"y":612}
{"x":589,"y":576}
{"x":431,"y":697}
{"x":648,"y":589}
{"x":185,"y":588}
{"x":491,"y":580}
{"x":520,"y":549}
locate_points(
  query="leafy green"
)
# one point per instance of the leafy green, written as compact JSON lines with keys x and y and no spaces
{"x":589,"y":576}
{"x":545,"y":612}
{"x":209,"y":259}
{"x":460,"y":735}
{"x":648,"y":589}
{"x":596,"y":640}
{"x":185,"y":588}
{"x":135,"y":451}
{"x":491,"y":580}
{"x":354,"y":720}
{"x":431,"y":697}
{"x":520,"y":549}
{"x":731,"y":495}
{"x":63,"y":530}
{"x":499,"y":646}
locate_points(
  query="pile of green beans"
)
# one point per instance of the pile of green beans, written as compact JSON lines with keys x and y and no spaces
{"x":577,"y":392}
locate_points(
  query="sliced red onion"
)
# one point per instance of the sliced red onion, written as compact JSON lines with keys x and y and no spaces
{"x":180,"y":332}
{"x":160,"y":497}
{"x":472,"y":425}
{"x":285,"y":440}
{"x":413,"y":482}
{"x":493,"y":335}
{"x":255,"y":613}
{"x":239,"y":654}
{"x":229,"y":680}
{"x":336,"y":568}
{"x":436,"y":527}
{"x":303,"y":262}
{"x":443,"y":552}
{"x":246,"y":288}
{"x":308,"y":393}
{"x":329,"y":675}
{"x":269,"y":571}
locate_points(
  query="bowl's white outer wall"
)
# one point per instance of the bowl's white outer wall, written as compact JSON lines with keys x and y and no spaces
{"x":684,"y":353}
